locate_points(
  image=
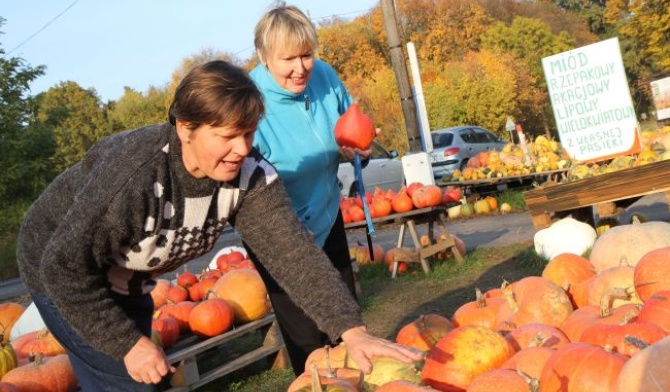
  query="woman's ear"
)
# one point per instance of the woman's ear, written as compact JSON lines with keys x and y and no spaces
{"x":261,"y":58}
{"x":183,"y":131}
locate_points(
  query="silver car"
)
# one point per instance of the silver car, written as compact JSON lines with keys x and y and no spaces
{"x":384,"y":170}
{"x":453,"y":147}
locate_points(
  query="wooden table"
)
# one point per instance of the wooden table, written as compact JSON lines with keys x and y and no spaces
{"x":594,"y":192}
{"x":408,"y":222}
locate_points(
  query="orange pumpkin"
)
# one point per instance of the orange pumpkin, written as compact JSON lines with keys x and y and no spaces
{"x":9,"y":315}
{"x":536,"y":335}
{"x":354,"y":129}
{"x":180,"y":311}
{"x":45,"y":374}
{"x":245,"y":291}
{"x":167,"y":328}
{"x":577,"y":321}
{"x":37,"y":342}
{"x":453,"y":363}
{"x":615,"y":285}
{"x":494,"y":379}
{"x":330,"y":357}
{"x":338,"y":379}
{"x":651,"y":273}
{"x":623,"y":338}
{"x":186,"y":279}
{"x":657,"y":310}
{"x":424,"y":332}
{"x":533,"y":300}
{"x":529,"y":361}
{"x":427,"y":196}
{"x":403,"y":386}
{"x":581,"y":367}
{"x":361,"y":253}
{"x":211,"y":317}
{"x":402,"y":202}
{"x":567,"y":270}
{"x":176,"y":294}
{"x":482,"y":311}
{"x":159,"y":292}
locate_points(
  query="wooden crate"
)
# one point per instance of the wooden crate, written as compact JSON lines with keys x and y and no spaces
{"x":593,"y":191}
{"x":188,"y":351}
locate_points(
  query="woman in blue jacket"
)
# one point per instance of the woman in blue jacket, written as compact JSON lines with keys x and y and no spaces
{"x":304,"y":98}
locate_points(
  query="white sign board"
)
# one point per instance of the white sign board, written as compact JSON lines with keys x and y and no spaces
{"x":660,"y":91}
{"x":591,"y":102}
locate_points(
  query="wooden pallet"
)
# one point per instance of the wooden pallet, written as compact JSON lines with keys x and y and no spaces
{"x":595,"y":192}
{"x":186,"y":353}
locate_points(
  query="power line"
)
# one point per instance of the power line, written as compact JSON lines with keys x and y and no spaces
{"x":43,"y":27}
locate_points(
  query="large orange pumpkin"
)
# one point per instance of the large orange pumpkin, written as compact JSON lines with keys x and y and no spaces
{"x":424,"y":332}
{"x":623,"y":338}
{"x":529,"y":361}
{"x":536,"y":335}
{"x":45,"y":374}
{"x":402,"y":202}
{"x":614,"y":285}
{"x":245,"y":291}
{"x":37,"y":342}
{"x":533,"y":300}
{"x":427,"y":196}
{"x":651,"y":273}
{"x":581,"y":367}
{"x":454,"y":362}
{"x":577,"y":321}
{"x":9,"y":315}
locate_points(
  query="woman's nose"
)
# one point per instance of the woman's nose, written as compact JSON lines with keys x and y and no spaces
{"x":242,"y":145}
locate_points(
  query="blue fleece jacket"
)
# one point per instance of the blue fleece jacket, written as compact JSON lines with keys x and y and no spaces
{"x":297,"y":136}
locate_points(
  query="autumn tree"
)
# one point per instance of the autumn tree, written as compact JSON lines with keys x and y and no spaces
{"x":77,"y":118}
{"x":135,"y":109}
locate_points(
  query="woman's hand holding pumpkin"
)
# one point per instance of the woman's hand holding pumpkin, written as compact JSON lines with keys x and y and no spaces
{"x":146,"y":362}
{"x":362,"y":347}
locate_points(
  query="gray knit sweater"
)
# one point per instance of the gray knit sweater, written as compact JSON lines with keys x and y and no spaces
{"x":130,"y":212}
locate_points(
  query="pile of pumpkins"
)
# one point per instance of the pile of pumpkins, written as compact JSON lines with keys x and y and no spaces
{"x":417,"y":196}
{"x":546,"y":154}
{"x":598,"y":321}
{"x":229,"y":292}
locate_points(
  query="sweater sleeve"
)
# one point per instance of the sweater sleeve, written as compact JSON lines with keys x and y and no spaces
{"x":267,"y":223}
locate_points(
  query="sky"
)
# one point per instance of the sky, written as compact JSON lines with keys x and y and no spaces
{"x":106,"y":45}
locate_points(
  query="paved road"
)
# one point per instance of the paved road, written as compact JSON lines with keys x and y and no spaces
{"x":481,"y":231}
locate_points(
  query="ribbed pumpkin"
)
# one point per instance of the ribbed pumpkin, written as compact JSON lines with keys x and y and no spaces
{"x":424,"y":332}
{"x":577,"y":321}
{"x":8,"y":360}
{"x":9,"y":314}
{"x":533,"y":299}
{"x":628,"y":243}
{"x":427,"y":196}
{"x":652,"y":272}
{"x":245,"y":291}
{"x":37,"y":342}
{"x":45,"y":374}
{"x":454,"y":362}
{"x":581,"y":367}
{"x":624,"y":338}
{"x":482,"y":311}
{"x":647,"y":370}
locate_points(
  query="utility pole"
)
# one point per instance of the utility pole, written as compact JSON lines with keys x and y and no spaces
{"x":400,"y":69}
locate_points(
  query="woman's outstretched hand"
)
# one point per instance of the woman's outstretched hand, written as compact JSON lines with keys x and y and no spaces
{"x":362,"y":347}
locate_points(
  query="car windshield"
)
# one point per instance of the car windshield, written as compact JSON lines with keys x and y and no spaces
{"x":442,"y":139}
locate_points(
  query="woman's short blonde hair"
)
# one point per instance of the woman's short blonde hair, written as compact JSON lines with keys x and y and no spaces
{"x":284,"y":26}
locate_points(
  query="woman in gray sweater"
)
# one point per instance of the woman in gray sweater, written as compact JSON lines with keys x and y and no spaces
{"x":144,"y":202}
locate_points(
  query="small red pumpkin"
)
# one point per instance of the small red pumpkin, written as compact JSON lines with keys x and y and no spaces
{"x":354,"y":129}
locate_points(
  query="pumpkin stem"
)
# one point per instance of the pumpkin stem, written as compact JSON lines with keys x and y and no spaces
{"x":479,"y":297}
{"x":533,"y":383}
{"x":635,"y":341}
{"x":538,"y":340}
{"x":607,"y":301}
{"x":316,"y":381}
{"x":329,"y":370}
